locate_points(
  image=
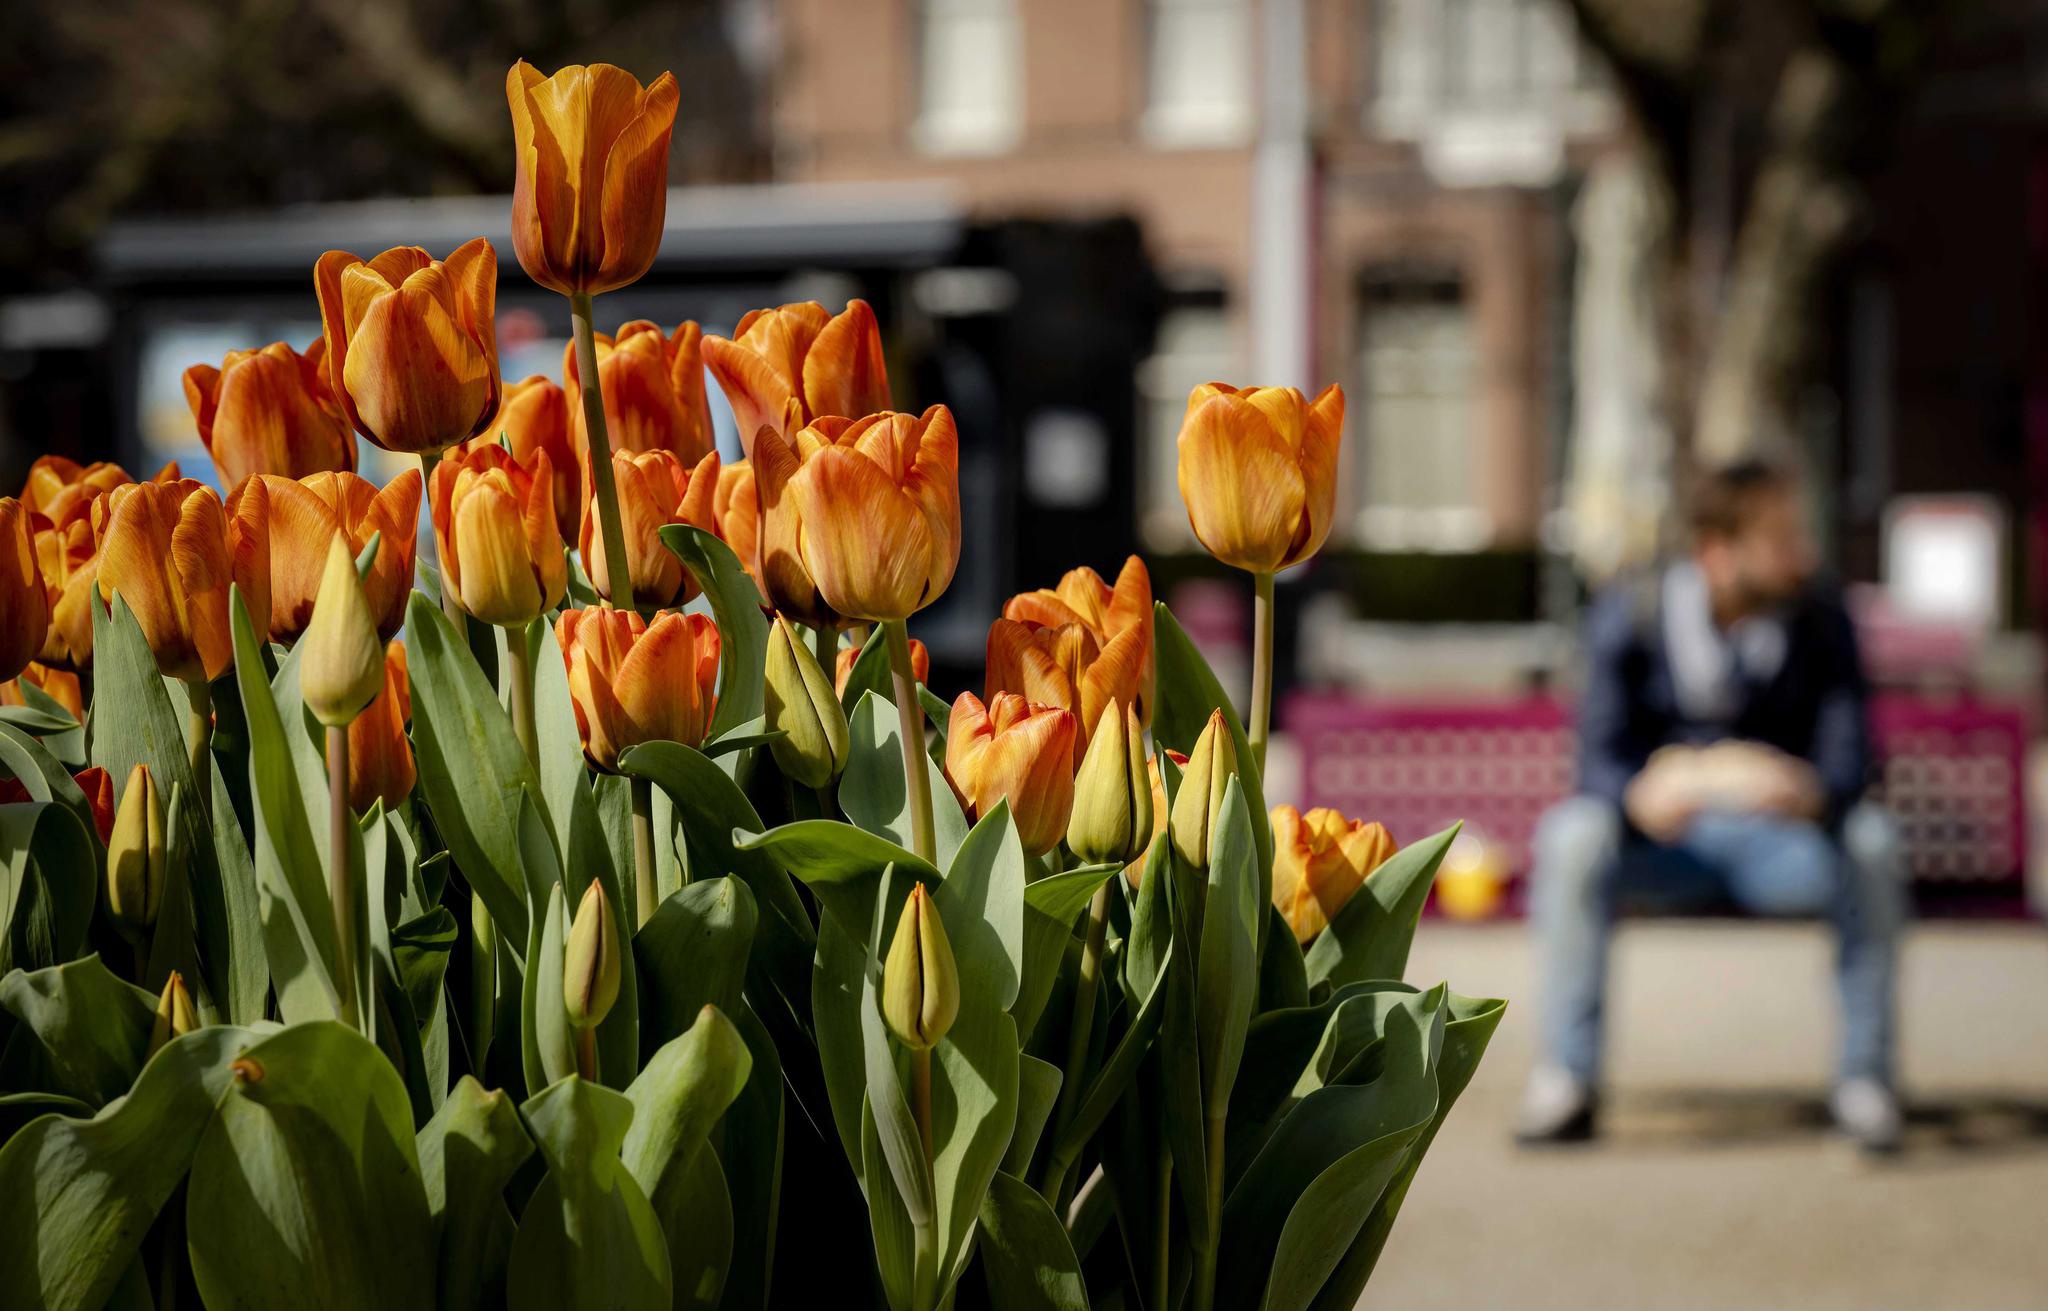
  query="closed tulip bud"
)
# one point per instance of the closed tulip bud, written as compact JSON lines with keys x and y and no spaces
{"x":653,"y":388}
{"x":304,"y":516}
{"x":1258,"y":471}
{"x":341,"y":662}
{"x":789,"y":366}
{"x":412,"y":346}
{"x":800,"y":702}
{"x":1112,"y":818}
{"x":171,"y":552}
{"x":24,"y":597}
{"x":533,"y":416}
{"x":591,"y":173}
{"x":1016,"y":751}
{"x":590,"y":960}
{"x":494,"y":525}
{"x":1320,"y":861}
{"x":270,"y":411}
{"x":849,"y":656}
{"x":655,"y":490}
{"x":631,"y":681}
{"x":137,"y":856}
{"x":175,"y":1016}
{"x":380,"y":763}
{"x":920,"y":980}
{"x":1199,"y":802}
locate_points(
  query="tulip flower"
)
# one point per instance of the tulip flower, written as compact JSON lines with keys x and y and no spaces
{"x":270,"y":411}
{"x":412,"y":348}
{"x":24,"y":597}
{"x":305,"y":514}
{"x":1104,"y":611}
{"x":849,"y":656}
{"x":175,"y":1016}
{"x":1066,"y":667}
{"x":920,"y":978}
{"x":1015,"y":750}
{"x":590,"y":960}
{"x":69,"y":557}
{"x":494,"y":525}
{"x":341,"y":659}
{"x":1258,"y":470}
{"x":1320,"y":860}
{"x":1112,"y":818}
{"x":653,"y":390}
{"x":380,"y":762}
{"x":633,"y":682}
{"x":1198,"y":803}
{"x":655,"y":490}
{"x":736,"y":506}
{"x":57,"y":684}
{"x":786,"y":368}
{"x":63,"y":491}
{"x":533,"y":415}
{"x":804,"y":708}
{"x":591,"y":162}
{"x":860,"y":518}
{"x":137,"y":857}
{"x":171,"y":552}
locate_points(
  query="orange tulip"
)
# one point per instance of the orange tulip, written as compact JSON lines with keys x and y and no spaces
{"x":304,"y":517}
{"x":633,"y":682}
{"x":97,"y":785}
{"x":591,"y":157}
{"x":1067,"y":667}
{"x":59,"y":685}
{"x":1083,"y":598}
{"x":1016,"y":750}
{"x":63,"y":491}
{"x":534,"y":416}
{"x":412,"y":349}
{"x":842,"y":666}
{"x":786,"y":368}
{"x":24,"y":597}
{"x":171,"y":552}
{"x":1258,"y":471}
{"x":380,"y":764}
{"x":737,"y":508}
{"x":70,"y":560}
{"x":860,"y":518}
{"x":494,"y":526}
{"x":270,"y":411}
{"x":653,"y":390}
{"x":655,"y":490}
{"x":1319,"y":861}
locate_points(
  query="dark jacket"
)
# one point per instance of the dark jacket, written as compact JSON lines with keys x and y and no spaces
{"x":1813,"y":706}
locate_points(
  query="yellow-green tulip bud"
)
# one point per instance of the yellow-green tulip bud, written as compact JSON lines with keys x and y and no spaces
{"x":590,"y":963}
{"x":800,"y":702}
{"x":341,"y":661}
{"x":1112,"y":818}
{"x":174,"y":1014}
{"x":1196,"y":805}
{"x":920,"y":982}
{"x":137,"y":856}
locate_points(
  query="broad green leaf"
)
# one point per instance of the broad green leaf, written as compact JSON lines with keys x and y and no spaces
{"x":588,"y":1235}
{"x":1113,"y":1080}
{"x":872,"y":791}
{"x":46,"y":779}
{"x":1051,"y":905}
{"x":870,"y":672}
{"x":750,"y":1153}
{"x":691,"y":954}
{"x":1283,"y":973}
{"x":46,"y":885}
{"x":1029,"y":1260}
{"x":468,"y":1153}
{"x":36,"y":720}
{"x":1279,"y":1048}
{"x":1226,"y":975}
{"x":1038,"y":1091}
{"x":305,"y":1188}
{"x":1370,"y":937}
{"x":549,"y":1038}
{"x":894,"y":1125}
{"x":87,"y":1030}
{"x":1188,"y":692}
{"x":742,"y":629}
{"x":66,"y":742}
{"x":838,"y":862}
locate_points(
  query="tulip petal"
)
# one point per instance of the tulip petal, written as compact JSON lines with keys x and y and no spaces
{"x":471,"y":271}
{"x":843,"y":372}
{"x":1242,"y":485}
{"x":757,"y":393}
{"x":1320,"y":441}
{"x":419,"y":381}
{"x":327,"y":275}
{"x":864,"y":541}
{"x":633,"y":198}
{"x":497,"y":584}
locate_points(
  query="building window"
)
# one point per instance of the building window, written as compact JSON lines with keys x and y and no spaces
{"x":970,"y":77}
{"x":1198,"y":72}
{"x":1418,"y":485}
{"x":1197,"y":343}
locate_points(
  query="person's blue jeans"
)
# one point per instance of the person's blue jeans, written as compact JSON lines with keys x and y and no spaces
{"x":1589,"y":864}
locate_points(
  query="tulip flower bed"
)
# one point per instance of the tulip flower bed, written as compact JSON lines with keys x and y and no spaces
{"x":613,"y":917}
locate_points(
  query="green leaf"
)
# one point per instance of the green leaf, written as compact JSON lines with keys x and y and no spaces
{"x":1029,"y":1260}
{"x":589,"y":1235}
{"x":46,"y":779}
{"x":1051,"y":905}
{"x":677,"y":1100}
{"x":750,"y":1153}
{"x":89,"y":1030}
{"x":890,"y":1115}
{"x":872,"y":791}
{"x":1226,"y":978}
{"x":692,"y":954}
{"x":77,"y":1196}
{"x":742,"y":629}
{"x":1188,"y":692}
{"x":1038,"y":1091}
{"x":306,"y":1189}
{"x":46,"y":885}
{"x":548,"y":1039}
{"x":1280,"y":1048}
{"x":36,"y":720}
{"x":1370,"y":937}
{"x":468,"y":1153}
{"x":66,"y":742}
{"x":1113,"y":1080}
{"x":836,"y":861}
{"x":871,"y":672}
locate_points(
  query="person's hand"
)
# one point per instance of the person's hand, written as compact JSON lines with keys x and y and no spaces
{"x":1753,"y":778}
{"x":1662,"y":799}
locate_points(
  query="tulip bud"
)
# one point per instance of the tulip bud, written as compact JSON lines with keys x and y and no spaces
{"x":799,"y":701}
{"x":174,"y":1014}
{"x":136,"y":856}
{"x":920,"y":983}
{"x":590,"y":963}
{"x":341,"y":666}
{"x":1112,"y":818}
{"x":1210,"y":766}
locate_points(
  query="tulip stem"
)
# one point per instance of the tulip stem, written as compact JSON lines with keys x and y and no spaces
{"x":1078,"y":1034}
{"x":916,"y":776}
{"x":451,"y":604}
{"x":925,"y":1262}
{"x":1162,"y":1250}
{"x":1205,"y":1255}
{"x":586,"y":1052}
{"x":519,"y":676}
{"x":1262,"y":667}
{"x":644,"y":891}
{"x":341,"y":886}
{"x":618,"y":568}
{"x":199,"y":740}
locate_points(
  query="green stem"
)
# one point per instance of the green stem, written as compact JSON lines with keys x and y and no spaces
{"x":451,"y":605}
{"x":1079,"y":1032}
{"x":586,"y":1052}
{"x":611,"y":529}
{"x":483,"y":980}
{"x":916,"y":776}
{"x":518,"y":673}
{"x":341,"y":882}
{"x":925,"y":1263}
{"x":1162,"y":1250}
{"x":645,"y":897}
{"x":1205,"y":1263}
{"x":1262,"y":667}
{"x":199,"y":740}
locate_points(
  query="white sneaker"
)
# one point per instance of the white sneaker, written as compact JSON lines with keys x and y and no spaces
{"x":1557,"y":1107}
{"x":1867,"y":1112}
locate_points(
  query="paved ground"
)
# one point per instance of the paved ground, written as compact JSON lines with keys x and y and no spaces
{"x":1718,"y":1185}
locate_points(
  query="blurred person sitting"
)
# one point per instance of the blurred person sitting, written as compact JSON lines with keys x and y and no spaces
{"x":1724,"y":749}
